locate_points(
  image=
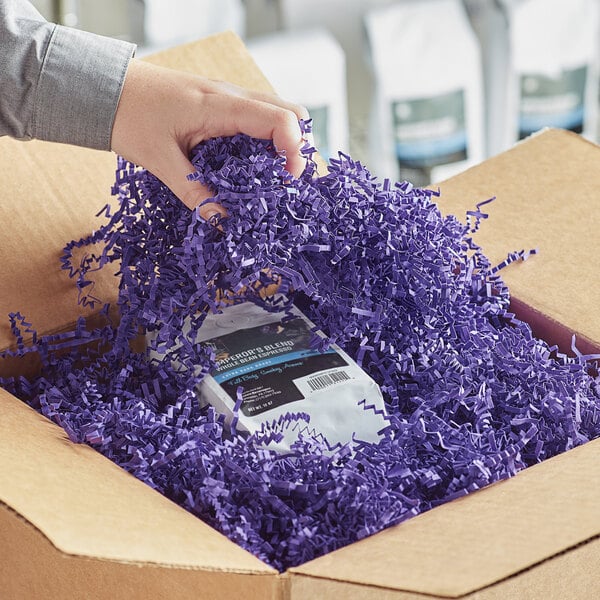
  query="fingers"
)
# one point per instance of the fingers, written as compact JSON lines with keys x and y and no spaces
{"x":285,"y":130}
{"x":238,"y":114}
{"x":273,"y":99}
{"x":163,"y":114}
{"x":176,"y":168}
{"x":286,"y":140}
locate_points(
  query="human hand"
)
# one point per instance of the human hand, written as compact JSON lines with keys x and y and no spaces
{"x":163,"y":114}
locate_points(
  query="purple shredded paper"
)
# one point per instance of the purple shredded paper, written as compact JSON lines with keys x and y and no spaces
{"x":472,"y":396}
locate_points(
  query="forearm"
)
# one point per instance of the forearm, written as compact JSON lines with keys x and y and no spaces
{"x":57,"y":83}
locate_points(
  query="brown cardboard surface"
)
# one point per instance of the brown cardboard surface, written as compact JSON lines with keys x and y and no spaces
{"x":546,"y":190}
{"x":476,"y":541}
{"x":31,"y":568}
{"x":50,"y":193}
{"x":572,"y":575}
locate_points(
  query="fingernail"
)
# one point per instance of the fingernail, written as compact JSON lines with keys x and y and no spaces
{"x":214,"y":217}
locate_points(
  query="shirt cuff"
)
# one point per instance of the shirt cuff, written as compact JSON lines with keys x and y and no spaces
{"x":79,"y":88}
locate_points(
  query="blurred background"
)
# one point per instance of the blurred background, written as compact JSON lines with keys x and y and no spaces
{"x":414,"y":89}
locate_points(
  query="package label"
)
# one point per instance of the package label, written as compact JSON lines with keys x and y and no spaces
{"x":275,"y":365}
{"x":552,"y":102}
{"x":429,"y":132}
{"x":267,"y":359}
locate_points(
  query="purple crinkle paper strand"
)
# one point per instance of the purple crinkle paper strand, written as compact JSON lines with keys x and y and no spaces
{"x":472,"y":396}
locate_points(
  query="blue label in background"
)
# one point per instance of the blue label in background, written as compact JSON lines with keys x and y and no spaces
{"x":430,"y":152}
{"x":552,"y":101}
{"x":429,"y":132}
{"x":320,"y":129}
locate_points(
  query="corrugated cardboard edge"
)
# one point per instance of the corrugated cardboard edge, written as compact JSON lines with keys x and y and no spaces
{"x":572,"y":574}
{"x":534,"y":518}
{"x":35,"y":568}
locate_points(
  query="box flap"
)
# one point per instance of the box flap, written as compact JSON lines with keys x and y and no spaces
{"x":546,"y":190}
{"x":50,"y":198}
{"x":473,"y":542}
{"x":87,"y":506}
{"x":54,"y":191}
{"x":573,"y":574}
{"x":222,"y":56}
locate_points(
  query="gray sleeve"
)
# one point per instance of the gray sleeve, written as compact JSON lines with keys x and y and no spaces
{"x":56,"y":83}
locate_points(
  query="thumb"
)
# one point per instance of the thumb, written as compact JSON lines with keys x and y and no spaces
{"x":191,"y":193}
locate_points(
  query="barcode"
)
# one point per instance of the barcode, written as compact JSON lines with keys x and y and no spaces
{"x":323,"y":381}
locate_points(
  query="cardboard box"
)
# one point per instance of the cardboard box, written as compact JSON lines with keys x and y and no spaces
{"x":74,"y":525}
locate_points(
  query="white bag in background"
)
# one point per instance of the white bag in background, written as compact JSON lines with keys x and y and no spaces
{"x":175,"y":22}
{"x":309,"y":67}
{"x":427,"y":121}
{"x":554,"y":59}
{"x":490,"y":23}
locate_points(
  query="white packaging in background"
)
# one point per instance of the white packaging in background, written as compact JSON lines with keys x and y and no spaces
{"x":288,"y":61}
{"x":490,"y":23}
{"x":427,"y":122}
{"x":175,"y":22}
{"x":271,"y":359}
{"x":554,"y":66}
